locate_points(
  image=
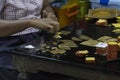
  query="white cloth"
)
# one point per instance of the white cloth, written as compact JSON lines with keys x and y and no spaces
{"x":21,"y":9}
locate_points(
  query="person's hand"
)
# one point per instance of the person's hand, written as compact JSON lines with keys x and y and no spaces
{"x":45,"y":24}
{"x":50,"y":15}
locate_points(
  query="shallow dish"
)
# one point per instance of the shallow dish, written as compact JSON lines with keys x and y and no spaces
{"x":103,"y":13}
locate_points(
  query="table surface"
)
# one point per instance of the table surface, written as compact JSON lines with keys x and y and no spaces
{"x":69,"y":67}
{"x":76,"y":64}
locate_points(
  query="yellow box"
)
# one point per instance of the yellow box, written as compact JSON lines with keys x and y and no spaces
{"x":67,"y":13}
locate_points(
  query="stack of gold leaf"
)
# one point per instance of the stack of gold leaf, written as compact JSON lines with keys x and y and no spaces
{"x":118,"y":19}
{"x":116,"y":31}
{"x":76,"y":39}
{"x":64,"y":46}
{"x":65,"y":32}
{"x":90,"y":42}
{"x":106,"y":39}
{"x":81,"y":53}
{"x":90,"y":60}
{"x":69,"y":43}
{"x":58,"y":35}
{"x":58,"y":51}
{"x":84,"y":37}
{"x":116,"y":25}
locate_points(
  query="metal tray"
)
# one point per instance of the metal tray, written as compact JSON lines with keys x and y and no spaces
{"x":69,"y":57}
{"x":103,"y":13}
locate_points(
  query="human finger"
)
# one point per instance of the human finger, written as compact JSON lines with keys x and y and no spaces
{"x":55,"y":26}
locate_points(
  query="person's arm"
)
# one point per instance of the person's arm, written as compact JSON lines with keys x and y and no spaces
{"x":48,"y":11}
{"x":8,"y":28}
{"x":47,"y":7}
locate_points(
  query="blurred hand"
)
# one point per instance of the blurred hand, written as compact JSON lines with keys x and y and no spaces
{"x":49,"y":15}
{"x":46,"y":24}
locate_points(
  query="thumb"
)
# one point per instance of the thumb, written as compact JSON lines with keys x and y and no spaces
{"x":45,"y":12}
{"x":48,"y":15}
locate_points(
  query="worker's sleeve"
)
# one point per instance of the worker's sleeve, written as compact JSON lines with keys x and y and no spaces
{"x":2,"y":3}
